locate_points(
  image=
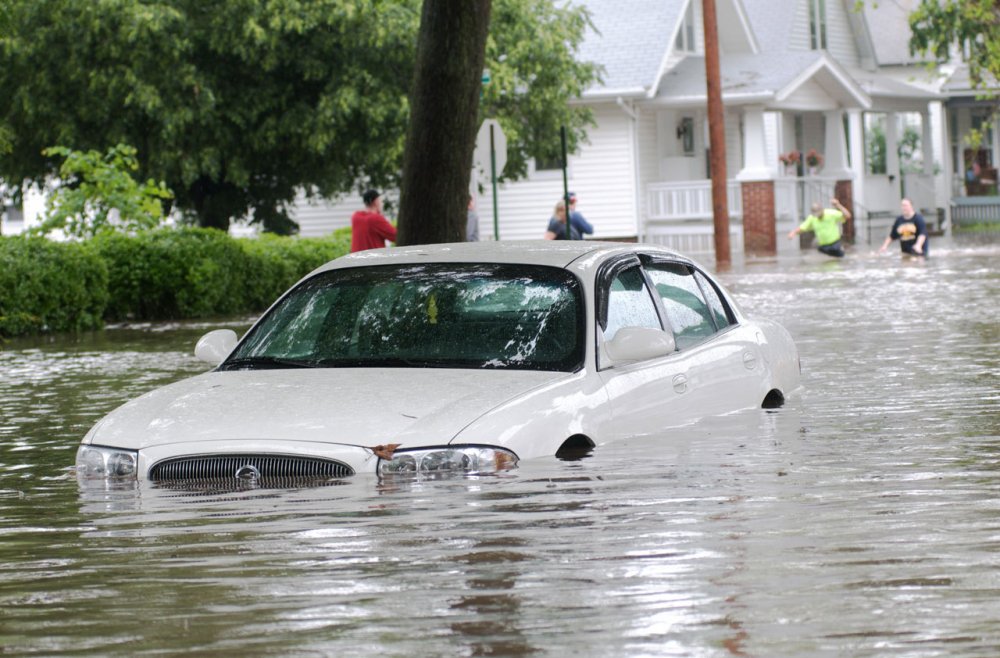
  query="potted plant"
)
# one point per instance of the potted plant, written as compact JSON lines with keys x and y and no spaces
{"x":814,"y":160}
{"x":791,"y":161}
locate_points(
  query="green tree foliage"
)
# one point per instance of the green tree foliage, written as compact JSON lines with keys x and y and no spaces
{"x":972,"y":25}
{"x":531,"y":57}
{"x":237,"y":105}
{"x":97,"y":194}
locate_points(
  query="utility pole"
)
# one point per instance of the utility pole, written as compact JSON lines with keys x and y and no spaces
{"x":716,"y":136}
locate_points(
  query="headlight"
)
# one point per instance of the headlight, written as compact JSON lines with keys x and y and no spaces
{"x":448,"y":459}
{"x":97,"y":462}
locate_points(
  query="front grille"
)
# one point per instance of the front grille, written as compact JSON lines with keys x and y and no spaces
{"x":248,"y":467}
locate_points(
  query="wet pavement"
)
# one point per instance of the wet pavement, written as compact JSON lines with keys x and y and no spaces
{"x":860,"y":520}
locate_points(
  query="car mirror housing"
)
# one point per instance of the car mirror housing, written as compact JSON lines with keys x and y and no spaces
{"x":215,"y":346}
{"x":632,"y":344}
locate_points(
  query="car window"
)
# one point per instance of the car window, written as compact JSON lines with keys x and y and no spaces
{"x":715,"y":303}
{"x":442,"y":315}
{"x":629,"y":303}
{"x":689,"y":315}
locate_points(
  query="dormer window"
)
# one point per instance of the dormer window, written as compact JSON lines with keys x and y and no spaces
{"x":685,"y":36}
{"x":817,"y":24}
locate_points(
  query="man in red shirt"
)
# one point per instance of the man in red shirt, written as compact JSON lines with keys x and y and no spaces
{"x":369,"y":227}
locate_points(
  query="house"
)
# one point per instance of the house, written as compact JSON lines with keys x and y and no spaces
{"x":797,"y":76}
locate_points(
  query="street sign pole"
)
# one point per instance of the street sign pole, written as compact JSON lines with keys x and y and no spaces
{"x":493,"y":177}
{"x":562,"y":136}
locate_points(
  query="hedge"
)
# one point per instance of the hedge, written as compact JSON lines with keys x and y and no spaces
{"x":50,"y":286}
{"x":155,"y":275}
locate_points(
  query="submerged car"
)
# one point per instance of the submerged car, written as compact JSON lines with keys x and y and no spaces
{"x":463,"y":357}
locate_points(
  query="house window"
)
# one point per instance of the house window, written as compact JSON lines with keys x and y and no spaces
{"x":685,"y":36}
{"x":817,"y":24}
{"x":548,"y":164}
{"x":685,"y":131}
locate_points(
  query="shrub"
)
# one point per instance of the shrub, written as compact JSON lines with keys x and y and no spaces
{"x":196,"y":273}
{"x":163,"y":274}
{"x":50,"y":286}
{"x":173,"y":273}
{"x":276,"y":263}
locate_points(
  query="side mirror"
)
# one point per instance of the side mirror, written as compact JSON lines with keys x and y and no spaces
{"x":215,"y":346}
{"x":632,"y":344}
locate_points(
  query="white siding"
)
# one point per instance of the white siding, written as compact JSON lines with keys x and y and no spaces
{"x":839,"y":37}
{"x":649,"y":157}
{"x":319,"y":218}
{"x":799,"y":37}
{"x":601,"y":175}
{"x":810,"y":96}
{"x":813,"y":132}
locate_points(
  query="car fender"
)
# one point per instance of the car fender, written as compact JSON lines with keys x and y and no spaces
{"x":537,"y":423}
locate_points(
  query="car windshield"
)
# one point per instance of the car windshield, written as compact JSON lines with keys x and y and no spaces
{"x":435,"y":315}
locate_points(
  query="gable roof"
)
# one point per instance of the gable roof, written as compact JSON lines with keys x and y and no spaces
{"x":772,"y":22}
{"x":630,"y":42}
{"x":891,"y":46}
{"x":769,"y":78}
{"x":634,"y":40}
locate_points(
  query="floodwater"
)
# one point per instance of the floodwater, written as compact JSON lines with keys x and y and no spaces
{"x":863,"y":519}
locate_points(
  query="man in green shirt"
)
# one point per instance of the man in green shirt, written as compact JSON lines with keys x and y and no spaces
{"x":825,"y":223}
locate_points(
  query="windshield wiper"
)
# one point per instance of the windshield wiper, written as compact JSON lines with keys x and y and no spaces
{"x":265,"y":362}
{"x":379,"y":362}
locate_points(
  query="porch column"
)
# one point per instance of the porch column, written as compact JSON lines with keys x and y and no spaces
{"x":837,"y":166}
{"x":892,"y":149}
{"x":859,"y":166}
{"x":836,"y":146}
{"x":755,"y":165}
{"x":757,"y":188}
{"x":942,"y":158}
{"x":927,"y":143}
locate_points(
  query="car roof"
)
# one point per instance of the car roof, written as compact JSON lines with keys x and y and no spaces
{"x":554,"y":253}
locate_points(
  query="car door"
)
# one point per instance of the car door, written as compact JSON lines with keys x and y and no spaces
{"x":646,"y":396}
{"x":725,"y":371}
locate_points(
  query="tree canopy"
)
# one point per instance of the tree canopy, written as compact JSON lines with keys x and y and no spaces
{"x":939,"y":26}
{"x":238,"y":105}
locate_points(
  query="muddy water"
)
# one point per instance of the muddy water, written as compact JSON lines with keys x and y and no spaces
{"x":863,"y":519}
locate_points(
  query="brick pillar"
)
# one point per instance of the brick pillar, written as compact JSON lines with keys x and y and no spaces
{"x":759,"y":218}
{"x":844,"y":191}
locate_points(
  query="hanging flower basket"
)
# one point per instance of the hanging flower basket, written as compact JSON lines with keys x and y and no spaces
{"x":814,"y":160}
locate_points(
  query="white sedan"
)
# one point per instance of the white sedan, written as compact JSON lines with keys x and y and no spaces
{"x":461,"y":357}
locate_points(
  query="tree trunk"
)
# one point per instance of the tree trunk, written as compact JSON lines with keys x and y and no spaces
{"x":444,"y":119}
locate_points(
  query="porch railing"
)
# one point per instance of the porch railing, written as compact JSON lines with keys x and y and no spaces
{"x":689,"y":200}
{"x":692,"y":200}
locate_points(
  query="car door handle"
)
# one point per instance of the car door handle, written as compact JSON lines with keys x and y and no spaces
{"x":680,"y":383}
{"x":749,"y":360}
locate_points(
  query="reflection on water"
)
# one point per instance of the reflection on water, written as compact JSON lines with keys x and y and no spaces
{"x":858,"y":521}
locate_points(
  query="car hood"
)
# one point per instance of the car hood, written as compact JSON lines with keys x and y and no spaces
{"x":364,"y":407}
